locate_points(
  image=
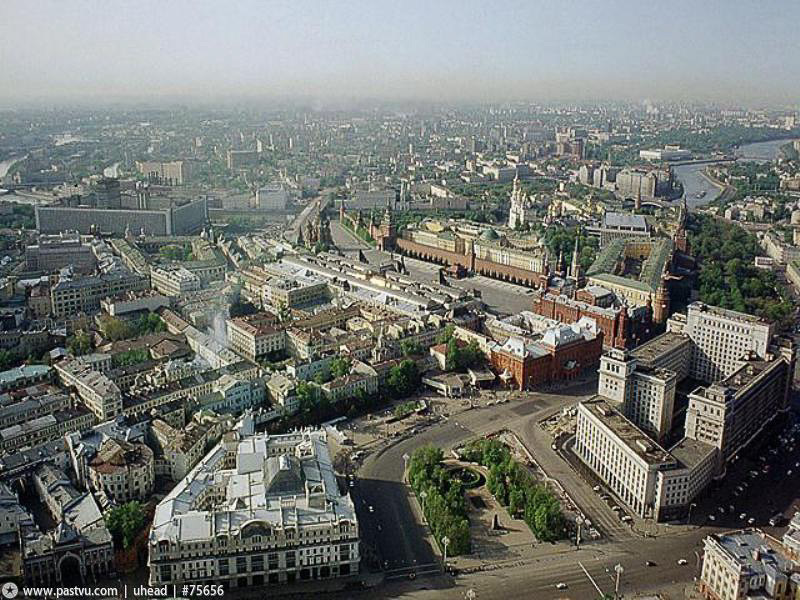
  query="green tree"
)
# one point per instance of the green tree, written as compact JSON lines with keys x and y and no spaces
{"x":79,"y":343}
{"x":340,"y":367}
{"x":115,"y":329}
{"x":403,"y":379}
{"x":728,"y":277}
{"x":284,"y":312}
{"x":131,"y":357}
{"x":410,"y":348}
{"x":7,"y":359}
{"x":444,"y":504}
{"x":461,"y":358}
{"x":307,"y":396}
{"x":516,"y":501}
{"x":446,"y":335}
{"x":125,"y":522}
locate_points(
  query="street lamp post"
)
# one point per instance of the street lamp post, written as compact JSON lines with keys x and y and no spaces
{"x":445,"y":542}
{"x":422,"y":496}
{"x":618,"y":570}
{"x":406,"y":457}
{"x":578,"y":523}
{"x":689,"y":516}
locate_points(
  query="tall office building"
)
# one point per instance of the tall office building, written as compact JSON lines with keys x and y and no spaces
{"x":652,"y":481}
{"x":107,"y":193}
{"x":644,"y":395}
{"x":619,"y":432}
{"x":723,"y":340}
{"x":730,"y":413}
{"x":174,"y":172}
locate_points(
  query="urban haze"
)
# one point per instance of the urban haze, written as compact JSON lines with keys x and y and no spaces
{"x":452,"y":300}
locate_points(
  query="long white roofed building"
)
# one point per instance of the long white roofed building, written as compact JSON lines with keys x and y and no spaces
{"x":257,"y":509}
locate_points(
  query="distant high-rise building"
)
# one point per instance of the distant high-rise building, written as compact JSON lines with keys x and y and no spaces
{"x":238,"y":159}
{"x":174,"y":172}
{"x":271,"y":197}
{"x":107,"y":193}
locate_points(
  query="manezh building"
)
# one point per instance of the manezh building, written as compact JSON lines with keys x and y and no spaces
{"x":257,"y":509}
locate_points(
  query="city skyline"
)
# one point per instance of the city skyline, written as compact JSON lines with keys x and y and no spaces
{"x":733,"y":52}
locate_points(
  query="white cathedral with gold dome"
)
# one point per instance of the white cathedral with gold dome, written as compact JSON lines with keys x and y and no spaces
{"x":520,"y":203}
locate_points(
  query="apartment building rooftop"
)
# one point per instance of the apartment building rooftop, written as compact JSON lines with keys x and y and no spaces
{"x":754,"y":553}
{"x":660,"y":345}
{"x":691,"y":452}
{"x":11,"y":376}
{"x":278,"y":481}
{"x":740,"y":379}
{"x":147,"y":393}
{"x":115,"y":455}
{"x":727,"y":313}
{"x":625,"y":222}
{"x":633,"y":437}
{"x":257,"y":324}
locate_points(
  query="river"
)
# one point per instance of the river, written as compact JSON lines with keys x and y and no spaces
{"x":761,"y":151}
{"x":5,"y":166}
{"x":695,"y":182}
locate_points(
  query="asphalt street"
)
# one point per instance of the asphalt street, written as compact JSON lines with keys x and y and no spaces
{"x":344,"y":240}
{"x":402,"y":546}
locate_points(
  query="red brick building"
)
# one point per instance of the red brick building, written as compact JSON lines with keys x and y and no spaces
{"x":563,"y":353}
{"x":622,"y":326}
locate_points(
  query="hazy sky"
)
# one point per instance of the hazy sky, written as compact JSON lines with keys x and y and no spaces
{"x":732,"y":50}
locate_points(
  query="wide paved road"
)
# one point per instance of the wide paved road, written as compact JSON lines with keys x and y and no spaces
{"x":402,"y":545}
{"x":344,"y":240}
{"x":310,"y":210}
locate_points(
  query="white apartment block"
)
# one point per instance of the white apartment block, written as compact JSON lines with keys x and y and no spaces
{"x":747,"y":564}
{"x":257,"y":509}
{"x":73,"y":295}
{"x":281,"y":392}
{"x":174,"y":281}
{"x":98,"y":392}
{"x":176,"y":171}
{"x":180,"y":449}
{"x":294,"y":291}
{"x":256,"y":336}
{"x":647,"y":478}
{"x":723,"y":339}
{"x":361,"y":379}
{"x":233,"y":395}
